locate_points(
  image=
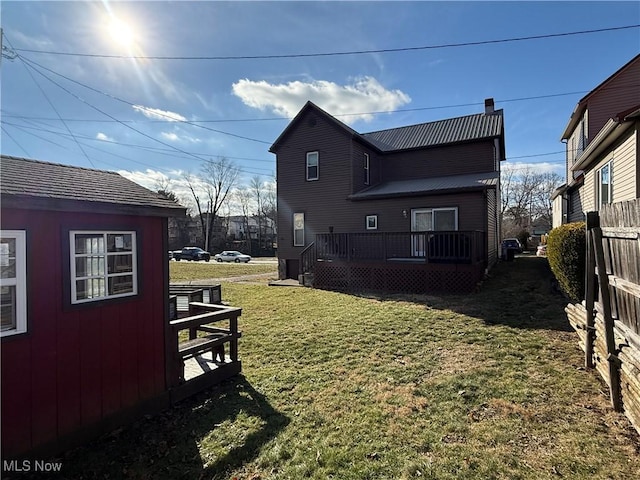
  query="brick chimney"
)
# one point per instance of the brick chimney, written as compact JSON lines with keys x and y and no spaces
{"x":488,"y":106}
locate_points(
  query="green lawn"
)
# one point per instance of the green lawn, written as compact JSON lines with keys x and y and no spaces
{"x":187,"y":271}
{"x":483,"y":386}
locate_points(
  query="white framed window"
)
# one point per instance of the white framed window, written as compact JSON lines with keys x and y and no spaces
{"x":367,"y":173}
{"x":13,"y":282}
{"x":605,"y":184}
{"x":428,"y":219}
{"x":298,"y":229}
{"x":103,"y":265}
{"x":313,"y":167}
{"x":372,"y":222}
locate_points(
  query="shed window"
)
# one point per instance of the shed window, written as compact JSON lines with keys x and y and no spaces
{"x":313,"y":165}
{"x":605,"y":184}
{"x":298,"y":229}
{"x":13,"y":282}
{"x":103,"y":265}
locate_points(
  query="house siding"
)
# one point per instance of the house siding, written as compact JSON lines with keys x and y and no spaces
{"x":440,"y":161}
{"x":576,"y":208}
{"x":492,"y":227}
{"x":312,"y":133}
{"x":617,"y":95}
{"x":623,"y":158}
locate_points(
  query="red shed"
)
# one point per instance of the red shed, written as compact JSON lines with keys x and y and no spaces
{"x":84,"y":303}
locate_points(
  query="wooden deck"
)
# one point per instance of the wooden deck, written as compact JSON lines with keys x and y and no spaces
{"x":208,"y":354}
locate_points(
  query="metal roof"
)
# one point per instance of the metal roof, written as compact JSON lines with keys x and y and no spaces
{"x":451,"y":130}
{"x":21,"y":177}
{"x":425,"y":186}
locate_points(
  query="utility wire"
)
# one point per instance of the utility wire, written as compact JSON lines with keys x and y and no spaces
{"x":110,"y":116}
{"x":333,"y":54}
{"x":53,"y":107}
{"x":131,"y":104}
{"x":14,"y":140}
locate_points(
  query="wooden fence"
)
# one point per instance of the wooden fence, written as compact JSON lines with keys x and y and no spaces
{"x":608,"y":320}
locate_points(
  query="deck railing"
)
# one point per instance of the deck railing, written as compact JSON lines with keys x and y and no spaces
{"x":429,"y":247}
{"x":307,"y":259}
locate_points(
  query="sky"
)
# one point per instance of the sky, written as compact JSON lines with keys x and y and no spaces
{"x":235,"y":73}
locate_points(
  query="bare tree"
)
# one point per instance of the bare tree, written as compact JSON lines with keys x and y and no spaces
{"x":256,"y":186}
{"x":210,"y":190}
{"x":244,"y":199}
{"x":525,"y":198}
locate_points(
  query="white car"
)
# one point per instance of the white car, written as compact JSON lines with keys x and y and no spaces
{"x":232,"y":256}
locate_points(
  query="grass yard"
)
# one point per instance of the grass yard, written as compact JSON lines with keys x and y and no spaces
{"x":483,"y":386}
{"x":187,"y":271}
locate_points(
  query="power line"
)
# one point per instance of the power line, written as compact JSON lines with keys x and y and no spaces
{"x":333,"y":54}
{"x":131,"y":104}
{"x":376,"y":112}
{"x":14,"y":140}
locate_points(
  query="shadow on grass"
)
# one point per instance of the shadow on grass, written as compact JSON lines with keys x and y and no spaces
{"x":520,"y":294}
{"x":205,"y":436}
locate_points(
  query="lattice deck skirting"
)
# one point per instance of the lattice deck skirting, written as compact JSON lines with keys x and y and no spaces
{"x":397,"y":277}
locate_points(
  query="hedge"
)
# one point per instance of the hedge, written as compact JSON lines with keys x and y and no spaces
{"x":566,"y":250}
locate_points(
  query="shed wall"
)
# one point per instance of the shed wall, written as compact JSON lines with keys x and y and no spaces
{"x":77,"y":365}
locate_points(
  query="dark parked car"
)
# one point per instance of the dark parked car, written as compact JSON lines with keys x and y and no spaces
{"x":512,"y":244}
{"x":192,"y":253}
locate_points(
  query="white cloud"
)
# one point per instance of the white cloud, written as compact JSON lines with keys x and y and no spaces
{"x":104,"y":137}
{"x":172,"y":137}
{"x":365,"y":94}
{"x":158,"y":114}
{"x":537,"y":167}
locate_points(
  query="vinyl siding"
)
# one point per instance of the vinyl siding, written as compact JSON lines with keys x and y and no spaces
{"x":440,"y":161}
{"x":576,"y":208}
{"x":492,"y":227}
{"x":617,"y":95}
{"x":623,"y":157}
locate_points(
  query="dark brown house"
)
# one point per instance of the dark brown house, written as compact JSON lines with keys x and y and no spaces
{"x":406,"y":209}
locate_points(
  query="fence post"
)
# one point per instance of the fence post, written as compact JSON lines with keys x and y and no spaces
{"x":592,"y":221}
{"x":605,"y":300}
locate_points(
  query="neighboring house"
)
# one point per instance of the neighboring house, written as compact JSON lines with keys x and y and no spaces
{"x":86,"y":342}
{"x":602,"y":147}
{"x":237,"y":226}
{"x":418,"y":204}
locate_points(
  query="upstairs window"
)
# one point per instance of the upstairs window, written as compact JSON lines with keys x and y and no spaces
{"x":103,"y":265}
{"x":367,"y":174}
{"x":13,"y":282}
{"x":605,"y":184}
{"x":312,"y":166}
{"x":298,"y":229}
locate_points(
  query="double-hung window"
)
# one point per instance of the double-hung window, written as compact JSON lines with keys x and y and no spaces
{"x":103,"y":265}
{"x":13,"y":282}
{"x":367,"y":172}
{"x":313,"y":160}
{"x":605,"y":184}
{"x":298,"y":229}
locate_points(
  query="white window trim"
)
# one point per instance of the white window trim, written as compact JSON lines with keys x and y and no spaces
{"x":317,"y":165}
{"x":433,"y":210}
{"x":375,"y":222}
{"x":295,"y":229}
{"x":20,"y":281}
{"x":367,"y":170}
{"x":609,"y":164}
{"x":133,"y":273}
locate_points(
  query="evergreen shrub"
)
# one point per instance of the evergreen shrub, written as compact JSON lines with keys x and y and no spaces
{"x":566,"y":250}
